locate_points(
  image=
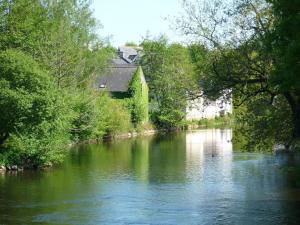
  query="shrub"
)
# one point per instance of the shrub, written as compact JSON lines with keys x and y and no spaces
{"x":34,"y":122}
{"x":139,"y":91}
{"x":84,"y":115}
{"x":112,"y":117}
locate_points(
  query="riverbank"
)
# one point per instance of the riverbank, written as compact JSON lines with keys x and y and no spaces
{"x":142,"y":130}
{"x":120,"y":136}
{"x":218,"y":122}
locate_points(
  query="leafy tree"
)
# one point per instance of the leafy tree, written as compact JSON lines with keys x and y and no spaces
{"x":249,"y":54}
{"x":70,"y":43}
{"x":131,"y":44}
{"x":112,"y":117}
{"x":50,"y":56}
{"x":169,"y":72}
{"x":22,"y":25}
{"x":60,"y":35}
{"x":33,"y":118}
{"x":284,"y":40}
{"x":83,"y":123}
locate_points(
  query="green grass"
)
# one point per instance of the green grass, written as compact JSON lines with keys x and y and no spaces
{"x":218,"y":122}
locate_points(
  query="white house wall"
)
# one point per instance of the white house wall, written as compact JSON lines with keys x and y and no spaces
{"x":200,"y":109}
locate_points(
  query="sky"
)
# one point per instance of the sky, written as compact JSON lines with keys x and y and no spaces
{"x":131,"y":20}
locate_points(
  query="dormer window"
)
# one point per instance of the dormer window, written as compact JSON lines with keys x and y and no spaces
{"x":132,"y":57}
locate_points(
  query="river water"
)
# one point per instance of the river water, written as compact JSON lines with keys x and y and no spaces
{"x":188,"y":178}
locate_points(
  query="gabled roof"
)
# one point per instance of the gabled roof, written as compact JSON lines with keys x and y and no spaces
{"x":119,"y":61}
{"x":121,"y":72}
{"x":118,"y":78}
{"x":130,"y":54}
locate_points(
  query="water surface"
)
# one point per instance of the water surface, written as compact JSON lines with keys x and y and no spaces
{"x":185,"y":178}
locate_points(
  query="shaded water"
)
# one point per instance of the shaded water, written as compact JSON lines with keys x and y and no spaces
{"x":186,"y":178}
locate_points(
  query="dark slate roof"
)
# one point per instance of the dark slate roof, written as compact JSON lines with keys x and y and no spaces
{"x":117,"y":78}
{"x":130,"y":54}
{"x":119,"y":61}
{"x":121,"y":72}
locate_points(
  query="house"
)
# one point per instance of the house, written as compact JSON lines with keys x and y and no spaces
{"x":124,"y":71}
{"x":201,"y":108}
{"x":125,"y":80}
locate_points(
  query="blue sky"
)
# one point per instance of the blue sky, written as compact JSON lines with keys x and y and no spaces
{"x":130,"y":20}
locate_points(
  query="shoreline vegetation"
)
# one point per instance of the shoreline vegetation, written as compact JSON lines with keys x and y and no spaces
{"x":218,"y":122}
{"x":48,"y":98}
{"x":142,"y":131}
{"x":51,"y":56}
{"x":119,"y":136}
{"x":149,"y":130}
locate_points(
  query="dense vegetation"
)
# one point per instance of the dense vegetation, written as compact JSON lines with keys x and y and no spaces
{"x":139,"y":101}
{"x":50,"y":55}
{"x":170,"y":75}
{"x":34,"y":123}
{"x":251,"y":52}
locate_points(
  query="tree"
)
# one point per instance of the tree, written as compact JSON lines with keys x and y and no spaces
{"x":244,"y":39}
{"x":70,"y":42}
{"x":50,"y":56}
{"x":34,"y":123}
{"x":60,"y":35}
{"x":169,"y":72}
{"x":23,"y":24}
{"x":284,"y":40}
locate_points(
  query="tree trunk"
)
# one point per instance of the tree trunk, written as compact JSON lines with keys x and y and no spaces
{"x":294,"y":102}
{"x":296,"y":121}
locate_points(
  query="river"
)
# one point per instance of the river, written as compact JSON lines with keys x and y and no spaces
{"x":193,"y":177}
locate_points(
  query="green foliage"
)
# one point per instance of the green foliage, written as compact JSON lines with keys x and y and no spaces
{"x":218,"y":122}
{"x":256,"y":60}
{"x":23,"y":24}
{"x":170,"y":75}
{"x":259,"y":125}
{"x":131,"y":44}
{"x":41,"y":111}
{"x":33,"y":119}
{"x":284,"y":43}
{"x":112,"y":117}
{"x":139,"y":93}
{"x":83,"y":107}
{"x":98,"y":115}
{"x":60,"y":35}
{"x":43,"y":146}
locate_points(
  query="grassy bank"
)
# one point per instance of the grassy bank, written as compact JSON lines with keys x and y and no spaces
{"x":218,"y":122}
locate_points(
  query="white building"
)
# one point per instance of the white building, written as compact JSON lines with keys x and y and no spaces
{"x":205,"y":109}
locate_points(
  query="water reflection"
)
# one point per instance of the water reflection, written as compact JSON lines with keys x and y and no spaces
{"x":183,"y":178}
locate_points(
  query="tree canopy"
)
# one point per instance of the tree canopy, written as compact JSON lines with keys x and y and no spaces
{"x":169,"y":71}
{"x":50,"y":56}
{"x":252,"y":51}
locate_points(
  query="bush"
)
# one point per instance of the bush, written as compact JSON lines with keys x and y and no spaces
{"x":83,"y":107}
{"x":139,"y":91}
{"x":42,"y":147}
{"x":34,"y":122}
{"x":98,"y":115}
{"x":171,"y":115}
{"x":260,"y":125}
{"x":112,"y":117}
